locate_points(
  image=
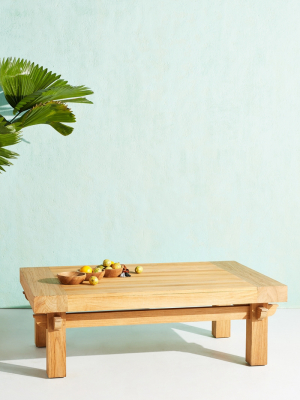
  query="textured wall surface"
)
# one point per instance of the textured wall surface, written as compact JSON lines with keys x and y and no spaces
{"x":190,"y":151}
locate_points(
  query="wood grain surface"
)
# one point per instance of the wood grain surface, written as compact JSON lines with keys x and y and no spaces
{"x":221,"y":329}
{"x":43,"y":290}
{"x":165,"y":285}
{"x":56,"y":346}
{"x":160,"y":316}
{"x":40,"y":333}
{"x":256,"y":337}
{"x":268,"y":289}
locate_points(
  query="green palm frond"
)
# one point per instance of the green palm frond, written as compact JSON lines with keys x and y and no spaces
{"x":64,"y":93}
{"x":37,"y":96}
{"x":9,"y":135}
{"x":19,"y":78}
{"x":52,"y":113}
{"x":78,"y":100}
{"x":59,"y":82}
{"x":9,"y":139}
{"x":63,"y":129}
{"x":3,"y":121}
{"x":7,"y":127}
{"x":5,"y":155}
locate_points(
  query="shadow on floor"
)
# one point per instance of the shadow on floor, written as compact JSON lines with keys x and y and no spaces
{"x":23,"y":370}
{"x":17,"y":341}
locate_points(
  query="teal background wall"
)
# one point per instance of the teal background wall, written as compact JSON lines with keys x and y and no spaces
{"x":190,"y":152}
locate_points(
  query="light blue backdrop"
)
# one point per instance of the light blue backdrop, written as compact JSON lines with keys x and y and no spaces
{"x":190,"y":152}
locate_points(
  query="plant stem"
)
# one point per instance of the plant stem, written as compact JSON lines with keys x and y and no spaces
{"x":15,"y":117}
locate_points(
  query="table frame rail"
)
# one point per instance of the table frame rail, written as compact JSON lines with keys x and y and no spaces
{"x":50,"y":329}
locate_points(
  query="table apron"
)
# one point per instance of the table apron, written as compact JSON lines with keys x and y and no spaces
{"x":156,"y":316}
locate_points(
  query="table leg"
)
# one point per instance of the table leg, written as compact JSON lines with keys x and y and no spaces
{"x":256,"y":337}
{"x":39,"y":334}
{"x":221,"y":329}
{"x":56,"y":345}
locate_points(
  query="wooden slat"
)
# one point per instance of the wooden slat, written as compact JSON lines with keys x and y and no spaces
{"x":102,"y":289}
{"x":136,"y":317}
{"x":217,"y":314}
{"x":94,"y":302}
{"x":159,"y":286}
{"x":137,"y":287}
{"x":151,"y":282}
{"x":155,"y":267}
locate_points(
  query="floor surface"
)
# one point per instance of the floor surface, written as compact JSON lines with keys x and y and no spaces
{"x":167,"y":361}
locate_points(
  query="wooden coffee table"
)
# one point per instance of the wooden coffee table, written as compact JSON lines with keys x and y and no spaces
{"x":174,"y":292}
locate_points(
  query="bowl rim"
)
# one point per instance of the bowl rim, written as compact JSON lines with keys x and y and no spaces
{"x":71,"y":273}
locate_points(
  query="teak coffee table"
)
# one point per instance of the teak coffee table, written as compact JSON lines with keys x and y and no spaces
{"x":173,"y":292}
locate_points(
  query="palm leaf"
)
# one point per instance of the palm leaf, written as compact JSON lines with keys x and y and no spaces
{"x":9,"y":136}
{"x":19,"y":78}
{"x":5,"y":155}
{"x":54,"y":93}
{"x":3,"y":120}
{"x":63,"y":129}
{"x":78,"y":100}
{"x":5,"y":162}
{"x":51,"y":113}
{"x":59,"y":82}
{"x":37,"y":97}
{"x":6,"y":127}
{"x":8,"y":139}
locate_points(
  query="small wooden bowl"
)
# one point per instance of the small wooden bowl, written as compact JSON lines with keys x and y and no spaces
{"x":113,"y":273}
{"x":71,"y":278}
{"x":99,"y":275}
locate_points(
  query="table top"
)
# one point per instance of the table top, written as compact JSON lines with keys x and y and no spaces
{"x":185,"y":284}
